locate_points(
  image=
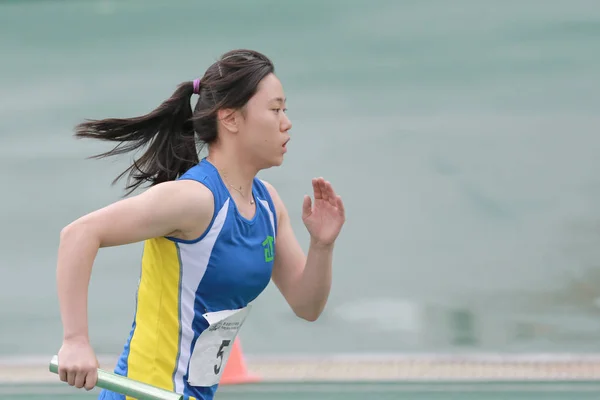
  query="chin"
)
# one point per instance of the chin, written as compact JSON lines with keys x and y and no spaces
{"x":278,"y":161}
{"x":274,"y":162}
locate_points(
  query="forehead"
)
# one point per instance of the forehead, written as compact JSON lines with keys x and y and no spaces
{"x":269,"y":89}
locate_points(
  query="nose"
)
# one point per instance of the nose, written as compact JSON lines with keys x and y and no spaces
{"x":286,"y":124}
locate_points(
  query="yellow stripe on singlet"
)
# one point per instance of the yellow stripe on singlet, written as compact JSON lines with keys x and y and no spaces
{"x":154,"y":347}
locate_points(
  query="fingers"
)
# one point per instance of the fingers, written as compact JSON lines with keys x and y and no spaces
{"x":316,"y":182}
{"x":62,"y":374}
{"x":78,"y":365}
{"x":306,"y":206}
{"x":71,"y":377}
{"x":91,"y":379}
{"x":324,"y":191}
{"x":340,"y":206}
{"x":332,"y":196}
{"x":80,"y":377}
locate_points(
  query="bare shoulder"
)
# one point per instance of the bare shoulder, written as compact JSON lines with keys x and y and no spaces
{"x":191,"y":202}
{"x":181,"y":196}
{"x":188,"y":193}
{"x":181,"y":208}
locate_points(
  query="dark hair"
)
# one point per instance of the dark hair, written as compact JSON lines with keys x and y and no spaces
{"x":172,"y":131}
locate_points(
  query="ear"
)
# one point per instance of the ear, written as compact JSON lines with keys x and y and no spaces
{"x":229,"y":118}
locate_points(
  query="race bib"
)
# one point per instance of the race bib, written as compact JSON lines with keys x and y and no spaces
{"x":213,"y":346}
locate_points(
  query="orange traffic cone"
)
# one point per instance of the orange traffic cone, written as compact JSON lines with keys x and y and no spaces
{"x":236,"y":371}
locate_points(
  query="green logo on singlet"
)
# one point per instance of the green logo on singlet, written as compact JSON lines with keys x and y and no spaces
{"x":268,"y":246}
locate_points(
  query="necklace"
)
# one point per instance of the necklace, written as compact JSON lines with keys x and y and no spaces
{"x":240,"y":192}
{"x":222,"y":174}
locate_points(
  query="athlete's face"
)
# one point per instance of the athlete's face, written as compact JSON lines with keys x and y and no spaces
{"x":263,"y":129}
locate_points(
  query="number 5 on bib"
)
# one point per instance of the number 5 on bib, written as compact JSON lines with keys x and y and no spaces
{"x":213,"y":346}
{"x":224,"y":343}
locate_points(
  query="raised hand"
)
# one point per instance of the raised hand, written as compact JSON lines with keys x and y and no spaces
{"x":323,"y":219}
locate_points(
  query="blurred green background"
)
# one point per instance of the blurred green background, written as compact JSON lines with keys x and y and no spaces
{"x":463,"y":136}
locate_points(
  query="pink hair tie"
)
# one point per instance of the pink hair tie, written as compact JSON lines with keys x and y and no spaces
{"x":197,"y":86}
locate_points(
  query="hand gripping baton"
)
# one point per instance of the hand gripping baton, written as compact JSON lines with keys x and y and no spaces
{"x":128,"y":387}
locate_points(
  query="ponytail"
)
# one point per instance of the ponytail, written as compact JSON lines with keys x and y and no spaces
{"x":167,"y":131}
{"x":172,"y":132}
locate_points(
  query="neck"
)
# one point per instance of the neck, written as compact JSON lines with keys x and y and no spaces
{"x":236,"y":172}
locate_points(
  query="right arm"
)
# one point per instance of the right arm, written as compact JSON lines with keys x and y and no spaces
{"x":178,"y":208}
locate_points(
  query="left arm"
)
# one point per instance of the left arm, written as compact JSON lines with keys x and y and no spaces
{"x":305,"y":281}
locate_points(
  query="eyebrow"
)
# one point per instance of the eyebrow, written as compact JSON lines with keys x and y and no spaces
{"x":279,"y":99}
